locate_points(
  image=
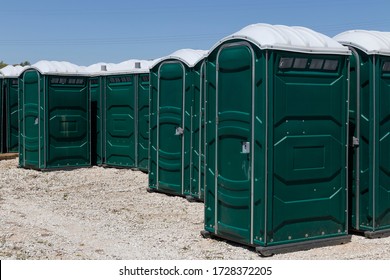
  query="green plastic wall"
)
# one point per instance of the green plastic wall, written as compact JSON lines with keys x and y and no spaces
{"x":68,"y":123}
{"x":55,"y":131}
{"x":120,"y":121}
{"x":370,"y":114}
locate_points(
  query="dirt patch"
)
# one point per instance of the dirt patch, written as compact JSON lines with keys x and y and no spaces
{"x":106,"y":213}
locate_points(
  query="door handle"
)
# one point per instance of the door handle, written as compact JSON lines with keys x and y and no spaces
{"x":246,"y":147}
{"x":179,"y":131}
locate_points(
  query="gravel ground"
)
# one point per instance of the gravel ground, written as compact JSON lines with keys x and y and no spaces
{"x":106,"y":213}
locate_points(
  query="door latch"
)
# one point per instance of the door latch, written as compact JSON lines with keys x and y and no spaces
{"x":246,"y":147}
{"x":179,"y":131}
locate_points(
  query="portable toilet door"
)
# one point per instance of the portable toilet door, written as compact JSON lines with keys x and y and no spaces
{"x":197,"y":133}
{"x":276,"y":139}
{"x":119,"y":118}
{"x":54,"y":116}
{"x":370,"y":130}
{"x":31,"y":116}
{"x":170,"y":122}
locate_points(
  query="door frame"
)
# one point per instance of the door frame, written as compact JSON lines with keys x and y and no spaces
{"x":357,"y":135}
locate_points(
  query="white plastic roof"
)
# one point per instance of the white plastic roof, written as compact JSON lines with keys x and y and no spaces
{"x":371,"y":42}
{"x":281,"y":37}
{"x":97,"y":67}
{"x":12,"y":71}
{"x":58,"y":68}
{"x":128,"y":66}
{"x":188,"y":56}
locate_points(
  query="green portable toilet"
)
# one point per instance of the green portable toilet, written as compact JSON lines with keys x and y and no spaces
{"x":10,"y":133}
{"x":54,"y":116}
{"x":276,"y":139}
{"x":171,"y":122}
{"x":369,"y":116}
{"x":124,"y":120}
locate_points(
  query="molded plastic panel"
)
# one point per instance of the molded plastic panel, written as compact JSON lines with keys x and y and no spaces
{"x":67,"y":112}
{"x":309,"y":158}
{"x":120,"y":121}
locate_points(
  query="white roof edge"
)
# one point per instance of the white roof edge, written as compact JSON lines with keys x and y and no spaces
{"x":11,"y":71}
{"x":111,"y":73}
{"x":190,"y":57}
{"x":286,"y":38}
{"x":125,"y":67}
{"x":369,"y":41}
{"x":56,"y":73}
{"x":64,"y":68}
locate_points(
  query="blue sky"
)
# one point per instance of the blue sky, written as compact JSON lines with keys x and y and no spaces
{"x":90,"y":31}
